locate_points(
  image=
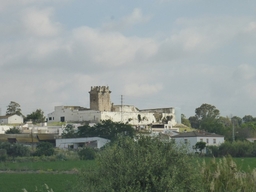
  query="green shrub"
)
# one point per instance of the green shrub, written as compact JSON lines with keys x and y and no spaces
{"x":87,"y":153}
{"x":44,"y":149}
{"x":3,"y":155}
{"x":14,"y":130}
{"x":235,"y":149}
{"x":15,"y":149}
{"x":146,"y":165}
{"x":212,"y":151}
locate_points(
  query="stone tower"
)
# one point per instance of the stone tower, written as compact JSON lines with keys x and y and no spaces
{"x":100,"y":98}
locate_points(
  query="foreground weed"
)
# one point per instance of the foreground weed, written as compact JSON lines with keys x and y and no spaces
{"x":44,"y":188}
{"x":224,"y":175}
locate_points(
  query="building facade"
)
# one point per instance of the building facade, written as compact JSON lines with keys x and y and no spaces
{"x":74,"y":143}
{"x":11,"y":119}
{"x":189,"y":139}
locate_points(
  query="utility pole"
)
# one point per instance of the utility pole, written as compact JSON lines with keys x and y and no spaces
{"x":121,"y":108}
{"x":233,"y":129}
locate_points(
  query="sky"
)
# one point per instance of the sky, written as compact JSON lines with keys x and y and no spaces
{"x":156,"y":53}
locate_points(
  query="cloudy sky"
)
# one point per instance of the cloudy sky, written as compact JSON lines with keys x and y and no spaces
{"x":156,"y":53}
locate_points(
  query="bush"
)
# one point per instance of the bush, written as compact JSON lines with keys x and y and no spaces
{"x":212,"y":151}
{"x":146,"y":165}
{"x":3,"y":155}
{"x":15,"y":149}
{"x":14,"y":130}
{"x":44,"y":149}
{"x":235,"y":149}
{"x":87,"y":153}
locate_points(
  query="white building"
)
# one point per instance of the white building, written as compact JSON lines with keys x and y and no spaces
{"x":102,"y":109}
{"x":11,"y":119}
{"x":191,"y":138}
{"x":74,"y":143}
{"x":138,"y":117}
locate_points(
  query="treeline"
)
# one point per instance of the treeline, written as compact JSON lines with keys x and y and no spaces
{"x":106,"y":129}
{"x":207,"y":117}
{"x":234,"y":149}
{"x":13,"y":150}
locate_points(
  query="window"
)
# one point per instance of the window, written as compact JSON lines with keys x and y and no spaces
{"x":50,"y":118}
{"x":185,"y":141}
{"x":62,"y":119}
{"x":214,"y":141}
{"x":201,"y":140}
{"x":207,"y":140}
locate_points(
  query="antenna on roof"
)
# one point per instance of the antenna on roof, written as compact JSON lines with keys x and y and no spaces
{"x":121,"y":108}
{"x":233,"y":128}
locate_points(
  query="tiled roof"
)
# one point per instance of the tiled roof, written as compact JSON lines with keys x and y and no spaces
{"x":4,"y":117}
{"x":197,"y":134}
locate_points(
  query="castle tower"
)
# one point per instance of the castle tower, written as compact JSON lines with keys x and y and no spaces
{"x":100,"y":98}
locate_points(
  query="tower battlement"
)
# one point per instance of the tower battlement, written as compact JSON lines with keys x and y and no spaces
{"x":100,"y":89}
{"x":100,"y":98}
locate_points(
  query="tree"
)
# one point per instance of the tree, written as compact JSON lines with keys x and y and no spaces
{"x":15,"y":149}
{"x":207,"y":111}
{"x":44,"y":148}
{"x":200,"y":145}
{"x":194,"y":122}
{"x":106,"y":129}
{"x":205,"y":114}
{"x":248,"y":118}
{"x":13,"y":108}
{"x":13,"y":130}
{"x":185,"y":121}
{"x":36,"y":117}
{"x":237,"y":120}
{"x":69,"y":132}
{"x":145,"y":165}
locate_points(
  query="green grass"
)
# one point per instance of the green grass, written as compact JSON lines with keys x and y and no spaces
{"x":46,"y":166}
{"x":46,"y":173}
{"x":15,"y":182}
{"x":245,"y":164}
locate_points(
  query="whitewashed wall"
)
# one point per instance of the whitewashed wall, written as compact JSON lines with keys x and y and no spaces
{"x":65,"y":143}
{"x":15,"y":119}
{"x":191,"y":141}
{"x":96,"y":116}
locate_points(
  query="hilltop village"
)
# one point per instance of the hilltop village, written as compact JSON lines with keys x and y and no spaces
{"x":101,"y":108}
{"x":163,"y":121}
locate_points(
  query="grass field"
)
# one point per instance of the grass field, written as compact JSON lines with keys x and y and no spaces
{"x":15,"y":182}
{"x":28,"y":175}
{"x":46,"y":166}
{"x":244,"y":164}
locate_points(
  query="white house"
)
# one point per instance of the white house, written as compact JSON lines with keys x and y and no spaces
{"x":11,"y":119}
{"x":74,"y":143}
{"x":191,"y":138}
